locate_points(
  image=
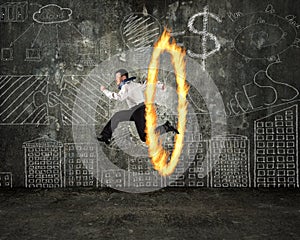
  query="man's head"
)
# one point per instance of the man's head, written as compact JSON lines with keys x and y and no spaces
{"x":121,"y":75}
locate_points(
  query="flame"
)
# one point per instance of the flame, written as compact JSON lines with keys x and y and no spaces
{"x":159,"y":156}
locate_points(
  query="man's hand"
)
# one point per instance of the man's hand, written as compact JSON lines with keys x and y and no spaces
{"x":102,"y":88}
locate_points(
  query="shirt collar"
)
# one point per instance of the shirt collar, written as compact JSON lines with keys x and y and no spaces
{"x":127,"y":80}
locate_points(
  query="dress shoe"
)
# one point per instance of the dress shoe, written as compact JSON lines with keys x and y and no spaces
{"x":170,"y":128}
{"x":103,"y":139}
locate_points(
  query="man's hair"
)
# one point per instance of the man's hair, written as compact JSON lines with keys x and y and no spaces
{"x":123,"y":72}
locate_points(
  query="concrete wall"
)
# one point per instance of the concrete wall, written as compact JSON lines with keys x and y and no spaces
{"x":242,"y":68}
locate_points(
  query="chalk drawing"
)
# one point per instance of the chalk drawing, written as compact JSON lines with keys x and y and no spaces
{"x":104,"y":157}
{"x":37,"y":35}
{"x":86,"y":50}
{"x":57,"y":36}
{"x":205,"y":35}
{"x":250,"y":99}
{"x":6,"y":180}
{"x":172,"y":8}
{"x":105,"y":47}
{"x":21,"y":35}
{"x":48,"y":19}
{"x":86,"y":46}
{"x":43,"y":163}
{"x":261,"y":35}
{"x":26,"y":99}
{"x":197,"y":175}
{"x":67,"y":96}
{"x":6,"y":54}
{"x":292,"y":21}
{"x":270,"y":9}
{"x":189,"y":160}
{"x":234,"y":16}
{"x":276,"y":149}
{"x":231,"y":156}
{"x":33,"y":54}
{"x":79,"y":162}
{"x":296,"y":43}
{"x":52,"y":14}
{"x":140,"y":30}
{"x":13,"y":12}
{"x":142,"y":175}
{"x":87,"y":61}
{"x":177,"y":179}
{"x":20,"y":100}
{"x":193,"y":133}
{"x":114,"y":178}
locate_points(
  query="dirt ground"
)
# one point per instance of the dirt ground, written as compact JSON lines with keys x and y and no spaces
{"x":167,"y":214}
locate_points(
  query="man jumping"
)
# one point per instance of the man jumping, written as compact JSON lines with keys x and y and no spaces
{"x":133,"y":93}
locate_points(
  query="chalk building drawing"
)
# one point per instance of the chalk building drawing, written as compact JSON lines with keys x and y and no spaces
{"x":177,"y":178}
{"x":197,"y":149}
{"x":230,"y":161}
{"x":197,"y":175}
{"x":141,"y":173}
{"x":189,"y":171}
{"x":5,"y":180}
{"x":276,"y":149}
{"x":43,"y":167}
{"x":80,"y":161}
{"x":13,"y":12}
{"x":193,"y":133}
{"x":114,"y":178}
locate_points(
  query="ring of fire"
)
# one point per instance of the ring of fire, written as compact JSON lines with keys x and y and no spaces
{"x":159,"y":156}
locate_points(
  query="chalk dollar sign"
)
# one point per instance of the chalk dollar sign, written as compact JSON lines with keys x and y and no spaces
{"x":204,"y":34}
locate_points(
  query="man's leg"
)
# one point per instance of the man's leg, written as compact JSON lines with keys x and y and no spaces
{"x":113,"y":123}
{"x":138,"y":117}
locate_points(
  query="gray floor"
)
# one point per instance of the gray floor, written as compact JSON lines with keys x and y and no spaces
{"x":166,"y":214}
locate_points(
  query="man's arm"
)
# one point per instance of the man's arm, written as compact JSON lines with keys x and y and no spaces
{"x":120,"y":96}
